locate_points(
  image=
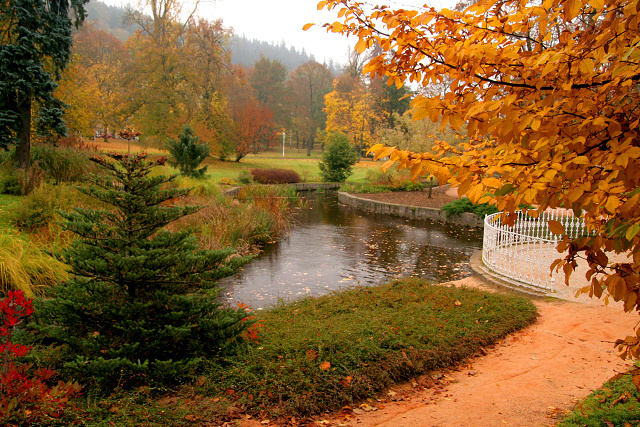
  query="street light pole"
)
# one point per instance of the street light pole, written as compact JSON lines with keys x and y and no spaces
{"x":284,"y":135}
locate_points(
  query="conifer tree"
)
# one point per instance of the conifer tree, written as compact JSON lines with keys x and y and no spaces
{"x":188,"y":153}
{"x":141,"y":307}
{"x":338,"y":158}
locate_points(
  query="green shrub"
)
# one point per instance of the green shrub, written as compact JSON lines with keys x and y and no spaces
{"x":337,"y":159}
{"x":141,"y":307}
{"x":409,"y":186}
{"x":63,"y":164}
{"x":19,"y":182}
{"x":188,"y":153}
{"x":244,"y":177}
{"x":275,"y":176}
{"x":464,"y":205}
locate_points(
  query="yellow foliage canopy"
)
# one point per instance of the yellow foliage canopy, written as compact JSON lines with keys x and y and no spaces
{"x":550,"y":98}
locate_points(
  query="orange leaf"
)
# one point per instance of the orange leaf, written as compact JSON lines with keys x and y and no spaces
{"x":556,"y":227}
{"x":325,"y":365}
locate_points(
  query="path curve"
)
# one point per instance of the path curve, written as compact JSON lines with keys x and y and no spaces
{"x":528,"y":379}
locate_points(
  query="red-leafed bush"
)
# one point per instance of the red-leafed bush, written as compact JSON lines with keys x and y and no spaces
{"x":275,"y":176}
{"x":24,"y":395}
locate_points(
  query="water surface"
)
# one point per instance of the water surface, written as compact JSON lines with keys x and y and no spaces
{"x":332,"y":246}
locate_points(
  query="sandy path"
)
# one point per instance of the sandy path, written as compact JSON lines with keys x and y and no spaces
{"x":526,"y":380}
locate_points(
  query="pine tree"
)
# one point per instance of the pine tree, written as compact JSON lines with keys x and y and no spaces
{"x":141,"y":307}
{"x":188,"y":153}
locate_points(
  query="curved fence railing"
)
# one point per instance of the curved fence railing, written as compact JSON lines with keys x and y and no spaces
{"x":524,"y":252}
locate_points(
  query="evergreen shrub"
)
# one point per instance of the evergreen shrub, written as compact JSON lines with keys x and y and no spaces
{"x":188,"y":153}
{"x":141,"y":307}
{"x":337,"y":159}
{"x":463,"y":205}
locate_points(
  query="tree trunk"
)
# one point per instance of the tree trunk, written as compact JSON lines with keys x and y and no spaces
{"x":23,"y":149}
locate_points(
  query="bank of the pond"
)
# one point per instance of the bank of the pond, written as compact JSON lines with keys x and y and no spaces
{"x":367,"y":204}
{"x":300,"y":186}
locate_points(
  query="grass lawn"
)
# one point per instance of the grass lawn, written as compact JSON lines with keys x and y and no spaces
{"x":616,"y":403}
{"x":219,"y":171}
{"x":319,"y":354}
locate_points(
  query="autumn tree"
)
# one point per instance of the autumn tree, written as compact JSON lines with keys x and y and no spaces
{"x":35,"y":49}
{"x":92,"y":87}
{"x":158,"y":78}
{"x":549,"y":95}
{"x":267,"y":78}
{"x":307,"y":86}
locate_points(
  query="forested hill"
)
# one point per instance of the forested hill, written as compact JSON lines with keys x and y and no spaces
{"x":244,"y":51}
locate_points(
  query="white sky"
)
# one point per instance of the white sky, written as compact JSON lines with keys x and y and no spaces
{"x":277,"y":20}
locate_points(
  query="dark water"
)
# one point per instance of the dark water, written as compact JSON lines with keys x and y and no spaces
{"x":332,"y":246}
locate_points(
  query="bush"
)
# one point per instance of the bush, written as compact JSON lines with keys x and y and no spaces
{"x":188,"y":153}
{"x":463,"y":205}
{"x":142,"y":305}
{"x":337,"y":159}
{"x":24,"y":396}
{"x":19,"y":182}
{"x":409,"y":186}
{"x":63,"y":164}
{"x":275,"y":176}
{"x":244,"y":177}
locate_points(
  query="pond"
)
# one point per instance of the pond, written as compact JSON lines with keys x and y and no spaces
{"x":331,"y":246}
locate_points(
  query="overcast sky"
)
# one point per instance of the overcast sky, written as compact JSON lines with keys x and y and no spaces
{"x":277,"y":20}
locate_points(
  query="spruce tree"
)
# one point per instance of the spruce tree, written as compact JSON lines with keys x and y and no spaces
{"x":188,"y":153}
{"x":35,"y":47}
{"x":338,"y":158}
{"x":141,"y":307}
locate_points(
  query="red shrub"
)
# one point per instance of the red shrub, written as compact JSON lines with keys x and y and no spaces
{"x":24,"y":395}
{"x":275,"y":176}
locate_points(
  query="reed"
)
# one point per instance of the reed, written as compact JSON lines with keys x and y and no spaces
{"x":25,"y":266}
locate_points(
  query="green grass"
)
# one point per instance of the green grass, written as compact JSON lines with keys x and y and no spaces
{"x":319,"y":354}
{"x":369,"y":338}
{"x":615,"y":403}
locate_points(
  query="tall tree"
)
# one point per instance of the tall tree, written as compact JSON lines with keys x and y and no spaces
{"x":267,"y":79}
{"x":307,"y":86}
{"x":96,"y":85}
{"x":159,"y":84}
{"x":549,"y":94}
{"x":35,"y":48}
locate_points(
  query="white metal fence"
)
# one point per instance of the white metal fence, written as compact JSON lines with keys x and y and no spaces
{"x":525,"y":251}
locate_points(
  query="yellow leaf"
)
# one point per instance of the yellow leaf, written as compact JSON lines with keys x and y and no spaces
{"x":556,"y":227}
{"x":307,"y":26}
{"x":581,"y":160}
{"x":586,"y":66}
{"x":322,"y":4}
{"x":475,"y":193}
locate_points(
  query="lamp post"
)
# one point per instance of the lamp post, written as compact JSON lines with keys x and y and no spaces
{"x":284,"y":135}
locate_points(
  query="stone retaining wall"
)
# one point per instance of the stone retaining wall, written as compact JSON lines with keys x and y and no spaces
{"x":300,"y":186}
{"x":412,"y":212}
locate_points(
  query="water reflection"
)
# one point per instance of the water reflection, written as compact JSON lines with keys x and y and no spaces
{"x":333,"y":246}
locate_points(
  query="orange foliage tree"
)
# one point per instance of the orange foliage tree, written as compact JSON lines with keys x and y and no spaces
{"x":549,"y":95}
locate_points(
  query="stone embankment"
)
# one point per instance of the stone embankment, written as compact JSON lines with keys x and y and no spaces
{"x":411,"y":212}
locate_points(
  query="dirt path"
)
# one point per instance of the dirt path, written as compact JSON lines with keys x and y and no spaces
{"x":526,"y":380}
